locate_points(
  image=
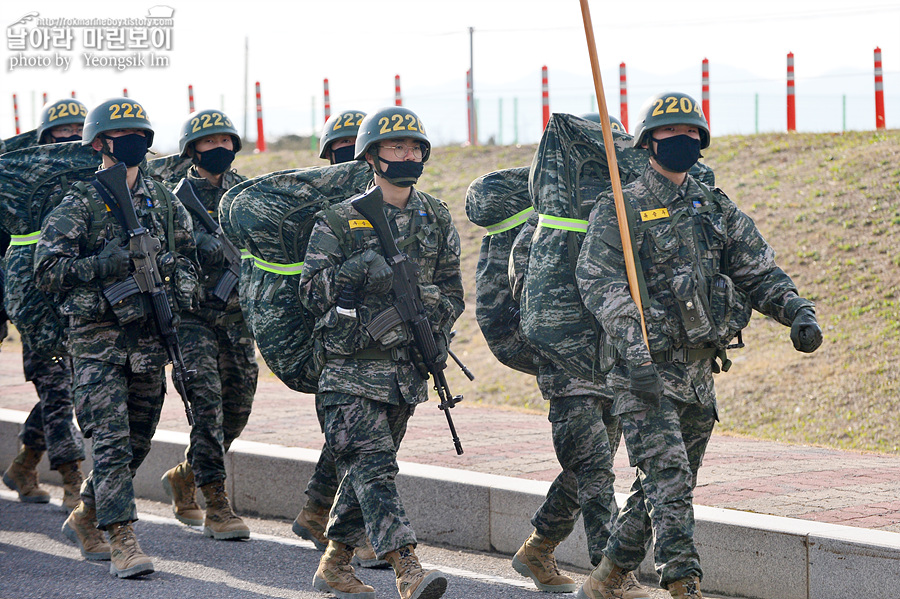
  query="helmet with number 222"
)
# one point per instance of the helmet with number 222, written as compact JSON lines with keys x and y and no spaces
{"x":390,"y":123}
{"x":206,"y":122}
{"x":670,"y":108}
{"x":117,"y":113}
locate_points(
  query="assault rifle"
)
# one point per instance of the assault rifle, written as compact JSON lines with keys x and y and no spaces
{"x":224,"y":286}
{"x":145,"y":279}
{"x":408,"y":303}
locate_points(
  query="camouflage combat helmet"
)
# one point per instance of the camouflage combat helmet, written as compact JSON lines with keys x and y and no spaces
{"x":339,"y":126}
{"x":201,"y":123}
{"x":67,"y":111}
{"x":670,"y":108}
{"x":614,"y":123}
{"x":390,"y":123}
{"x":117,"y":113}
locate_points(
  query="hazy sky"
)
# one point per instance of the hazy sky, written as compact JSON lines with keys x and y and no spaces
{"x":361,"y":45}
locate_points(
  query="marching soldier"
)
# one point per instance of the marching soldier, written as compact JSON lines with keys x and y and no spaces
{"x":217,"y":344}
{"x":703,"y":265}
{"x":118,"y":353}
{"x":369,"y":390}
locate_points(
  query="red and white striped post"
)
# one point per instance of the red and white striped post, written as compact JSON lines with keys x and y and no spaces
{"x":545,"y":96}
{"x":791,"y":103}
{"x":16,"y":113}
{"x":124,"y":92}
{"x":879,"y":91}
{"x":623,"y":96}
{"x":327,"y":98}
{"x":190,"y":98}
{"x":398,"y":99}
{"x":260,"y":137}
{"x":73,"y":93}
{"x":469,"y":108}
{"x":45,"y":97}
{"x":705,"y":93}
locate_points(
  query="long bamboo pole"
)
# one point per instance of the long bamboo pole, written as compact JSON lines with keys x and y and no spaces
{"x":630,"y":269}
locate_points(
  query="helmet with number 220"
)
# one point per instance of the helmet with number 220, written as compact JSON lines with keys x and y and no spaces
{"x":670,"y":108}
{"x":390,"y":123}
{"x":68,"y":111}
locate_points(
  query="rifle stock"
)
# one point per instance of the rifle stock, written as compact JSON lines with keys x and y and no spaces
{"x":227,"y":281}
{"x":408,"y":303}
{"x":144,"y":249}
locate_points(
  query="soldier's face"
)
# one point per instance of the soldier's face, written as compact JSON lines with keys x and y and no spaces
{"x":97,"y":144}
{"x":673,"y":130}
{"x":216,"y":140}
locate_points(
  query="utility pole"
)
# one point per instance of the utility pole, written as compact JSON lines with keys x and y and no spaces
{"x":246,"y":81}
{"x":473,"y":124}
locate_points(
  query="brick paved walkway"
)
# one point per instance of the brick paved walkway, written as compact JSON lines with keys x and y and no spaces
{"x":825,"y":485}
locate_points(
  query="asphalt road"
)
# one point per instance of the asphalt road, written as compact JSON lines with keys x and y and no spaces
{"x":37,"y":562}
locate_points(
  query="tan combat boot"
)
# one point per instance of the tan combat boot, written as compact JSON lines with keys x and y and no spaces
{"x":364,"y":557}
{"x":221,"y":522}
{"x":22,"y":476}
{"x":609,"y":581}
{"x":127,"y":559}
{"x":412,"y":581}
{"x":179,"y":486}
{"x":535,"y":559}
{"x":310,"y":524}
{"x":335,"y":575}
{"x":72,"y":479}
{"x":81,"y":528}
{"x":685,"y":588}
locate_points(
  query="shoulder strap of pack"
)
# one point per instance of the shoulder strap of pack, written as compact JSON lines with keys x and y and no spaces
{"x":340,"y":226}
{"x":98,"y":211}
{"x":160,"y":195}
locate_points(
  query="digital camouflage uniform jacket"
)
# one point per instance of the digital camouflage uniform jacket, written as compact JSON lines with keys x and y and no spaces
{"x":681,"y":233}
{"x":429,"y":240}
{"x":64,"y":262}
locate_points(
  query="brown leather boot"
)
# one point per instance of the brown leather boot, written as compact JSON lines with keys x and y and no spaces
{"x":81,"y":528}
{"x":685,"y":588}
{"x":178,"y":484}
{"x":310,"y":524}
{"x":22,"y":476}
{"x":609,"y":581}
{"x":127,"y":559}
{"x":535,"y":560}
{"x":221,"y":522}
{"x":412,"y":581}
{"x":72,"y":479}
{"x":364,"y":557}
{"x":335,"y":575}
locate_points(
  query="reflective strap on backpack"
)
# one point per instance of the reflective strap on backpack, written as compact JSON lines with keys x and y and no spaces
{"x":29,"y":239}
{"x":510,"y":223}
{"x":566,"y":224}
{"x":279,"y":269}
{"x":246,"y":255}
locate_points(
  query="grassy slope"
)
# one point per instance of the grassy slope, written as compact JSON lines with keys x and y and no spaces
{"x":830,"y":206}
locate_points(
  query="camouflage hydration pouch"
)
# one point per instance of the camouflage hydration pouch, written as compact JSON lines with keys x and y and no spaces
{"x":569,"y":171}
{"x":33,"y":181}
{"x":501,"y":203}
{"x":272,"y":217}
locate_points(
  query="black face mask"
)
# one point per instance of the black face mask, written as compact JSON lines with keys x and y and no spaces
{"x":678,"y":153}
{"x":59,"y":140}
{"x":342,"y":154}
{"x":128,"y":149}
{"x":402,"y":173}
{"x":216,"y":161}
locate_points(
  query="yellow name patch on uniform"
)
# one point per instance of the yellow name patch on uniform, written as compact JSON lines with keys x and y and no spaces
{"x":654,"y":214}
{"x":360,"y":224}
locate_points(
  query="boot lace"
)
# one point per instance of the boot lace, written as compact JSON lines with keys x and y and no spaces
{"x":547,"y":557}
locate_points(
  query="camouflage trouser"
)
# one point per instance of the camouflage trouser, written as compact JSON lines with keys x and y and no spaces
{"x":585,"y":437}
{"x":666,"y":444}
{"x":322,"y":486}
{"x":365,"y":436}
{"x":119,"y":409}
{"x":221,"y":392}
{"x":50,"y":427}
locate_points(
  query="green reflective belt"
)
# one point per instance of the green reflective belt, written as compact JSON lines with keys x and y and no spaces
{"x":566,"y":224}
{"x":510,"y":223}
{"x":278,"y":269}
{"x":684,"y":356}
{"x":28,"y":239}
{"x":246,"y":255}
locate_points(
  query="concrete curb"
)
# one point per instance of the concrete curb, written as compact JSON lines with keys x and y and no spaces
{"x":743,"y":554}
